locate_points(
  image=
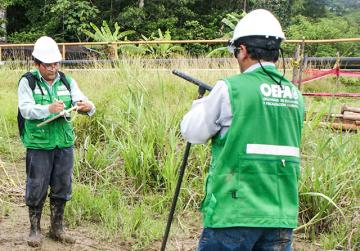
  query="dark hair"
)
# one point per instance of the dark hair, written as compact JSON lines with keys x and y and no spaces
{"x":261,"y":47}
{"x":36,"y":61}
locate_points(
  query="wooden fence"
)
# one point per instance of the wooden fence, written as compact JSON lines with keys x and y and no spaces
{"x":114,"y":45}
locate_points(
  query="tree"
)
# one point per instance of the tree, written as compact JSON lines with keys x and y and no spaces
{"x":185,"y":19}
{"x":325,"y":28}
{"x":2,"y":23}
{"x":70,"y":18}
{"x":60,"y":19}
{"x":280,"y":8}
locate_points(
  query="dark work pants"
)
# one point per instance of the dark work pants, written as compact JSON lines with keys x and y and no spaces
{"x":245,"y":239}
{"x":46,"y":168}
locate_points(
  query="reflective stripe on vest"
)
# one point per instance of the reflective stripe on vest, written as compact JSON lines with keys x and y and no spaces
{"x":273,"y":150}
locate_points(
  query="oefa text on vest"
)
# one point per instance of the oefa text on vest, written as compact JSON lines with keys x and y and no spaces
{"x":275,"y":95}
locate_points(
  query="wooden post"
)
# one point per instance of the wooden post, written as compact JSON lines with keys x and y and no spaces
{"x":112,"y":51}
{"x":115,"y":48}
{"x":302,"y":63}
{"x":337,"y":67}
{"x":63,"y":51}
{"x":295,"y":64}
{"x":0,"y":54}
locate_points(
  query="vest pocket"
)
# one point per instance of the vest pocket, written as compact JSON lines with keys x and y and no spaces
{"x":39,"y":135}
{"x":266,"y":188}
{"x":68,"y":133}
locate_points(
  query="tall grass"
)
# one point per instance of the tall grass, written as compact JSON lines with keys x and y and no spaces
{"x":128,"y":153}
{"x":329,"y":187}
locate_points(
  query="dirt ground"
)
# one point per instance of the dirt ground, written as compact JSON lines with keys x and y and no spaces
{"x":14,"y":229}
{"x":14,"y":226}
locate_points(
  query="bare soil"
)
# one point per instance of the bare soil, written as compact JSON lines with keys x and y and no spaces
{"x":14,"y":226}
{"x":15,"y":229}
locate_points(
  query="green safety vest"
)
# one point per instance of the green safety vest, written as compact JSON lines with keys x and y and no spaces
{"x":58,"y":133}
{"x":254,"y":171}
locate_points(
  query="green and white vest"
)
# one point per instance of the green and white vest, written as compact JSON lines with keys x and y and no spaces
{"x":58,"y":133}
{"x":252,"y":181}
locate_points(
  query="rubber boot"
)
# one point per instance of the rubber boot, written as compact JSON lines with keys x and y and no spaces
{"x":57,"y":217}
{"x":35,"y":237}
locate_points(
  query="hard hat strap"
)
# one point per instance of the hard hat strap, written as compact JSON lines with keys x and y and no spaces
{"x":269,"y":74}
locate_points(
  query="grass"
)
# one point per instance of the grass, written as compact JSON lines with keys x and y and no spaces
{"x":127,"y":155}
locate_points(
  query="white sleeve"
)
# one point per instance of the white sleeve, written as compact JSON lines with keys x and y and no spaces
{"x":26,"y":103}
{"x":207,"y":115}
{"x":78,"y":95}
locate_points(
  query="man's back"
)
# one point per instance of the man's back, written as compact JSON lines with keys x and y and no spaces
{"x":255,"y":165}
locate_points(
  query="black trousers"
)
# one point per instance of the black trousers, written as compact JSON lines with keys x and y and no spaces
{"x":46,"y":168}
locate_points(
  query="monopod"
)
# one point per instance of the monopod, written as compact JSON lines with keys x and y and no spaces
{"x":202,"y":89}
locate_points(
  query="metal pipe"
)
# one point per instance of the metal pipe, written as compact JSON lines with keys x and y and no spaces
{"x":202,"y":88}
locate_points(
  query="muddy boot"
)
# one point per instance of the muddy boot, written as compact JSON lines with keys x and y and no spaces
{"x":57,"y":217}
{"x":35,"y":237}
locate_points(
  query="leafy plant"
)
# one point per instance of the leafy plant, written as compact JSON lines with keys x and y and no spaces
{"x":2,"y":23}
{"x":161,"y":50}
{"x":104,"y":34}
{"x":230,"y":22}
{"x":25,"y":36}
{"x":74,"y":16}
{"x":324,"y":28}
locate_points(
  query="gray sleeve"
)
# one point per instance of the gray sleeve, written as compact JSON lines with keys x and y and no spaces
{"x":78,"y":95}
{"x":208,"y":115}
{"x":26,"y":103}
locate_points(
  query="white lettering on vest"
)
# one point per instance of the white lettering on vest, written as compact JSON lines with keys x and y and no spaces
{"x":265,"y":90}
{"x":287,"y":92}
{"x":275,"y":91}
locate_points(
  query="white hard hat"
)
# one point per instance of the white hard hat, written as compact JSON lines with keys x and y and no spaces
{"x":46,"y":50}
{"x":258,"y":22}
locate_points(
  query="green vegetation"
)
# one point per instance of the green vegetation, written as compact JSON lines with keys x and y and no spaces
{"x":161,"y":50}
{"x":67,"y":20}
{"x":127,"y":157}
{"x":104,"y":34}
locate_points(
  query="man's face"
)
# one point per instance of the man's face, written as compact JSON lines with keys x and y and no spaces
{"x":48,"y":71}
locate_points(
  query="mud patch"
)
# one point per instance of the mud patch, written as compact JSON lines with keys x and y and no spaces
{"x":14,"y":230}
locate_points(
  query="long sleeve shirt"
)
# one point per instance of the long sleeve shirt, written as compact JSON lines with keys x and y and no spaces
{"x":30,"y":110}
{"x":211,"y":114}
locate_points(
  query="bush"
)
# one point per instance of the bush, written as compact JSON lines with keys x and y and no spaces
{"x":324,"y":28}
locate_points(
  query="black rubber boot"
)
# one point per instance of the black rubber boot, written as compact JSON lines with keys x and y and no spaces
{"x":57,"y":217}
{"x":35,"y":237}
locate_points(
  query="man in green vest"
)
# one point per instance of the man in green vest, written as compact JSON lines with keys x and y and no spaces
{"x":255,"y":121}
{"x":49,"y":149}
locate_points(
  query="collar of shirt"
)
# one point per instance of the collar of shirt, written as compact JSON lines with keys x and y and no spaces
{"x":42,"y":79}
{"x":257,"y":65}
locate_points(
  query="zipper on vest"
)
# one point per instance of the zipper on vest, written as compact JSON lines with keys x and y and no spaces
{"x":283,"y":161}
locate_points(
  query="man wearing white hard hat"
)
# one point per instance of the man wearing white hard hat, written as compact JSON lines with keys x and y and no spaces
{"x":42,"y":94}
{"x":254,"y":120}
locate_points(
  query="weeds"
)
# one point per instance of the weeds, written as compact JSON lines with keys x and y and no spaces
{"x":128,"y":154}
